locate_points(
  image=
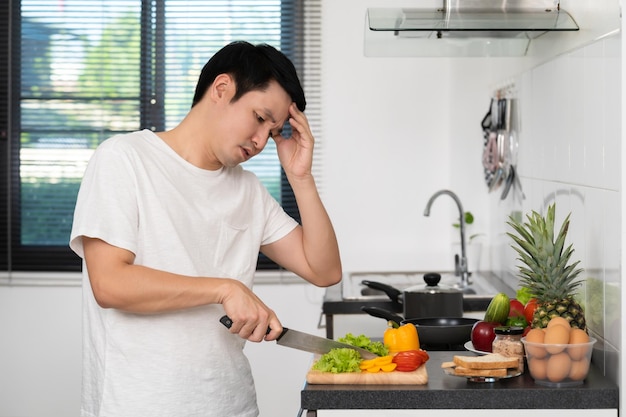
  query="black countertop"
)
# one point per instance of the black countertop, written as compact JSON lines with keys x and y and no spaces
{"x":451,"y":392}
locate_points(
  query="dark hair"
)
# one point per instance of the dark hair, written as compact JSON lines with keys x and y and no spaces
{"x":252,"y":67}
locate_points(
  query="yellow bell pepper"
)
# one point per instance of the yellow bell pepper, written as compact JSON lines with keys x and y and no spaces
{"x":402,"y":338}
{"x":382,"y":363}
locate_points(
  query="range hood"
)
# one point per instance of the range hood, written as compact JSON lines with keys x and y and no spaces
{"x":464,"y":27}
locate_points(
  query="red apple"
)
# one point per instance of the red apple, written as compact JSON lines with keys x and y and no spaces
{"x":529,"y":310}
{"x":483,"y":334}
{"x":516,"y":308}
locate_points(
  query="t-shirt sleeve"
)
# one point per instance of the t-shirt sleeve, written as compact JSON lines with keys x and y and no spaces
{"x":106,"y":206}
{"x":279,"y":223}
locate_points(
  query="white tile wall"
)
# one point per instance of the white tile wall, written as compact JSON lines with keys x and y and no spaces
{"x":569,"y":153}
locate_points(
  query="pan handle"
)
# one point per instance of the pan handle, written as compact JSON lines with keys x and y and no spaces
{"x":393,"y":293}
{"x":383,"y":314}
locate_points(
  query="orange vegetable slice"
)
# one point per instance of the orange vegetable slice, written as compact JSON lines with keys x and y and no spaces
{"x":383,"y":360}
{"x":389,"y":367}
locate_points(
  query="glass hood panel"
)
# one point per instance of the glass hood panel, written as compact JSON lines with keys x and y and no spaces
{"x":482,"y":20}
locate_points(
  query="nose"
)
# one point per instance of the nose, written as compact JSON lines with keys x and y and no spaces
{"x":260,"y":139}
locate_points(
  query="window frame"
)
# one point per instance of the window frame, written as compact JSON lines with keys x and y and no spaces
{"x":14,"y":256}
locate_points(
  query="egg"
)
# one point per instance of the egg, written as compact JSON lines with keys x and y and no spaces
{"x":559,"y":366}
{"x":556,"y":335}
{"x":538,"y":368}
{"x":554,"y":321}
{"x":579,"y":369}
{"x":578,"y":336}
{"x":535,"y":336}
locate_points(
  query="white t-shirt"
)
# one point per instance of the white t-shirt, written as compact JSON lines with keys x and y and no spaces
{"x":140,"y":195}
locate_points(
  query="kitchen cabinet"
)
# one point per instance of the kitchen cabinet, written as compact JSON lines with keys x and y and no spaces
{"x":279,"y":371}
{"x":466,"y":413}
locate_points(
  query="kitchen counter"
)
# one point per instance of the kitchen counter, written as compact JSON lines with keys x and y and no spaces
{"x":451,"y":392}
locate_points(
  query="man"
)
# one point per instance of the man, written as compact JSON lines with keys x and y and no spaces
{"x":169,"y":227}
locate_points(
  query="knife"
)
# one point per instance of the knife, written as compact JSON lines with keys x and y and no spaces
{"x":308,"y":342}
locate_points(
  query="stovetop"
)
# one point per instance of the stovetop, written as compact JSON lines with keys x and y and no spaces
{"x":353,"y":289}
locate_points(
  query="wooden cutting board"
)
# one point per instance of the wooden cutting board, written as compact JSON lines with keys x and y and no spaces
{"x":417,"y":377}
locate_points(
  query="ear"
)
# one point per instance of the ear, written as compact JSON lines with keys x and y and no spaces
{"x":222,"y":84}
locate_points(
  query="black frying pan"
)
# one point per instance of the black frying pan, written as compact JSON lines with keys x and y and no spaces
{"x":432,"y":331}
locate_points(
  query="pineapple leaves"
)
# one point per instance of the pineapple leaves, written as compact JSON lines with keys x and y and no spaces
{"x":545,"y":261}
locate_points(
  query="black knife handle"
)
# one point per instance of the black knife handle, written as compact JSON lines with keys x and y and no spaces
{"x":226,"y":321}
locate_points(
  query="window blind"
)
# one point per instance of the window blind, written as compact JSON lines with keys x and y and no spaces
{"x":5,"y":21}
{"x":83,"y":71}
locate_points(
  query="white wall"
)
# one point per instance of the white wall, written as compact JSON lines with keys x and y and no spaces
{"x":40,"y":351}
{"x":395,"y":131}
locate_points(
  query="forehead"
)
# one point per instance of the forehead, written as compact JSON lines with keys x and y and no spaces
{"x":274,"y":102}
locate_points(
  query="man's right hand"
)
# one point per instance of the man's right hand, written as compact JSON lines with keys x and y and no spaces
{"x":250,"y":316}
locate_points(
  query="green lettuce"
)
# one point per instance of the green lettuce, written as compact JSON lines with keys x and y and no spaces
{"x":338,"y":361}
{"x":523,"y":295}
{"x":366,"y":343}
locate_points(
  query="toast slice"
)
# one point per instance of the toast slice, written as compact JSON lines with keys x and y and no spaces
{"x":489,"y":361}
{"x":501,"y":372}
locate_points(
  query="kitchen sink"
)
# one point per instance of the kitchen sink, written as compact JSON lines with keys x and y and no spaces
{"x":480,"y":285}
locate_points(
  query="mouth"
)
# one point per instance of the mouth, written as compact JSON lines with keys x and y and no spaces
{"x":246,"y":153}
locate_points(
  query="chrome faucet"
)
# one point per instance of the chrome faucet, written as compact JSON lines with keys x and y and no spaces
{"x":460,"y":265}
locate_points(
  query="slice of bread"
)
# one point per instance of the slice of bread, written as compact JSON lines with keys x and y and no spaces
{"x":489,"y":361}
{"x":459,"y":370}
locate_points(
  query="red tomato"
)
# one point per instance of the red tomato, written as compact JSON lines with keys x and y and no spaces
{"x":516,"y":308}
{"x":483,"y":334}
{"x":529,"y":310}
{"x":409,"y":360}
{"x":423,"y":354}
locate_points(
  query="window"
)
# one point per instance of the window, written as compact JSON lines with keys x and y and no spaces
{"x":81,"y":71}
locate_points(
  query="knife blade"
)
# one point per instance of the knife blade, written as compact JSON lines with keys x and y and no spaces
{"x":308,"y":342}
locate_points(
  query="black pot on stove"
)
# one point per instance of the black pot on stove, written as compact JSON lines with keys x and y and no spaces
{"x":430,"y":300}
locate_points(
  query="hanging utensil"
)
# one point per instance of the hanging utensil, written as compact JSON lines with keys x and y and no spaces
{"x":507,"y":163}
{"x":501,"y":171}
{"x":489,"y":141}
{"x":487,"y":121}
{"x":508,"y":183}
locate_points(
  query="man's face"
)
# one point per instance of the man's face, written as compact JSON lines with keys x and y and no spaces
{"x":248,"y":123}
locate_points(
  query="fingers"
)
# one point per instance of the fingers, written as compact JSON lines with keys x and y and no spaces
{"x":298,"y":121}
{"x":255,"y":328}
{"x":296,"y":152}
{"x":276,"y":329}
{"x":299,"y":125}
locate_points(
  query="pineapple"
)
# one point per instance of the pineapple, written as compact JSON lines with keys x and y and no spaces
{"x":546,"y":269}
